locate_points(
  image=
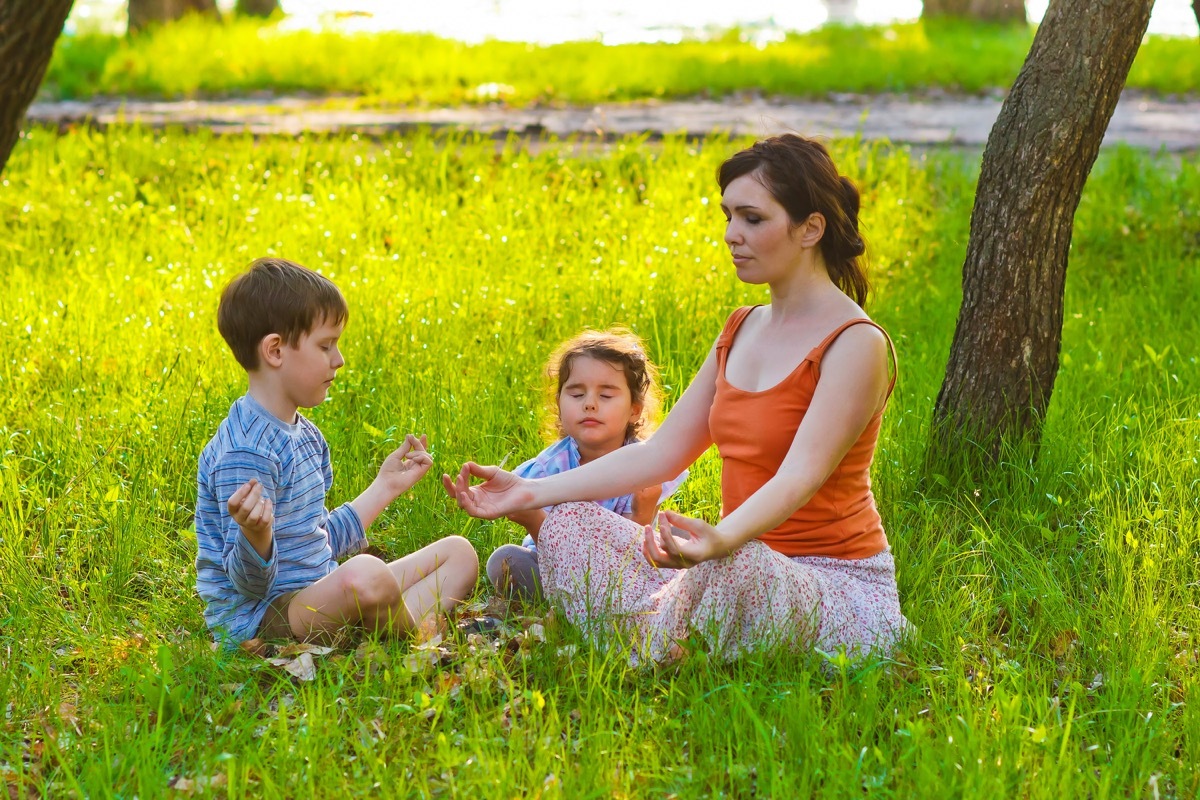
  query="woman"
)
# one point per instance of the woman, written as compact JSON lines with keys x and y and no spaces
{"x":792,"y":394}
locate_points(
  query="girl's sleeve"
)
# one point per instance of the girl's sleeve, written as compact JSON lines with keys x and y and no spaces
{"x":531,"y":469}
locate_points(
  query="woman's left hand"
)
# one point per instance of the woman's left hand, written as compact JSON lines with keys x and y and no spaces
{"x":681,"y":542}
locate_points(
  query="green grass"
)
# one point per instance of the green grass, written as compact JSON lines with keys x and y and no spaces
{"x":1056,"y":599}
{"x":201,"y":58}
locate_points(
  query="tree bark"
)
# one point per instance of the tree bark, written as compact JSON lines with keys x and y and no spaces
{"x":28,"y":31}
{"x":985,"y":10}
{"x":1004,"y":357}
{"x":148,"y":12}
{"x":256,"y":8}
{"x":1196,"y":10}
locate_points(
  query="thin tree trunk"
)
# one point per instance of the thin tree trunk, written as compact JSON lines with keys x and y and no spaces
{"x":985,"y":10}
{"x":28,"y":31}
{"x":256,"y":8}
{"x":147,"y":12}
{"x":1004,"y":357}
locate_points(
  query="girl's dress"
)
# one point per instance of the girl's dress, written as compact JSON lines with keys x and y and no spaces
{"x":823,"y":579}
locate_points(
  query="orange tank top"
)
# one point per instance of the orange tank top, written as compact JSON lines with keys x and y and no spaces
{"x":753,"y":432}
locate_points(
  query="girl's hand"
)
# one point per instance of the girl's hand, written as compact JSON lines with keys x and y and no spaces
{"x":681,"y":542}
{"x":645,"y":503}
{"x":406,"y":465}
{"x":500,"y":495}
{"x":530,"y":520}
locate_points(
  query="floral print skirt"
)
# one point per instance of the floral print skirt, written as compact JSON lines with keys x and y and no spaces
{"x":593,"y":567}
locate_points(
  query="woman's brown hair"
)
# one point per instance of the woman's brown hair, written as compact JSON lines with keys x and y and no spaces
{"x":800,"y":174}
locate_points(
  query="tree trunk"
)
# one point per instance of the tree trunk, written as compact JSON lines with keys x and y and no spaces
{"x":1004,"y":357}
{"x":148,"y":12}
{"x":1196,"y":10}
{"x":256,"y":8}
{"x":985,"y":10}
{"x":28,"y":30}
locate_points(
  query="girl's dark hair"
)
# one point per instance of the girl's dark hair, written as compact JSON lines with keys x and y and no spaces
{"x":801,"y":176}
{"x":621,"y":348}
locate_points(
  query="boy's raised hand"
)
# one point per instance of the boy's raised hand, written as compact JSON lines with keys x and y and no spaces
{"x":406,"y":465}
{"x":255,"y":515}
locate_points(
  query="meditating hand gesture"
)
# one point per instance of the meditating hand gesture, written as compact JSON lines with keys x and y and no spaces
{"x":254,"y":513}
{"x":680,"y":542}
{"x":405,"y":465}
{"x":500,"y":495}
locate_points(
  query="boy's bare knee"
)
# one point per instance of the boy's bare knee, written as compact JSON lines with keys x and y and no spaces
{"x":460,"y":553}
{"x":370,"y":583}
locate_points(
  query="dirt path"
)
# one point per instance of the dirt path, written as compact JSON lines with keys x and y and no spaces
{"x":1142,"y":121}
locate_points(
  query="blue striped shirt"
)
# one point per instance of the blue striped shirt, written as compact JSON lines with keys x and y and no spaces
{"x":292,"y":463}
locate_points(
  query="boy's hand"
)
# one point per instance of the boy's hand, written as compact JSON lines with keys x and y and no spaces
{"x":406,"y":465}
{"x":255,"y":515}
{"x":645,"y":504}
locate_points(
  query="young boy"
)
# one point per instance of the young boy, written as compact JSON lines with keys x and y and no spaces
{"x":268,"y":549}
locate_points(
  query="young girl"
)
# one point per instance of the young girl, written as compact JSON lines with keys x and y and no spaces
{"x":606,"y":395}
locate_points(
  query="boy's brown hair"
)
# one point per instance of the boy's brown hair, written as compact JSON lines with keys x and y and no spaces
{"x":275,"y":296}
{"x":622,"y":349}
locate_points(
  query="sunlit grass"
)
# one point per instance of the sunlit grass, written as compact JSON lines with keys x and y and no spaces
{"x":202,"y":58}
{"x":1056,"y":600}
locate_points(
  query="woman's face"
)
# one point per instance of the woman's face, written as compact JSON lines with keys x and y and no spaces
{"x":758,"y":231}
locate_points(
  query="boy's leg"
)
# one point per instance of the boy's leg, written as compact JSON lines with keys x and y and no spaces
{"x":513,"y":570}
{"x":275,"y":624}
{"x":362,"y":591}
{"x":435,"y":578}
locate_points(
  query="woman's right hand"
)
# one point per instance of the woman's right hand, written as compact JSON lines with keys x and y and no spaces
{"x":500,"y":494}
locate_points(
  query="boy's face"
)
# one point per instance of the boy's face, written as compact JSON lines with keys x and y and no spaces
{"x":309,"y":367}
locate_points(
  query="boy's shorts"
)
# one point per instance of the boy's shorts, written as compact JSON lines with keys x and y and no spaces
{"x":275,"y":623}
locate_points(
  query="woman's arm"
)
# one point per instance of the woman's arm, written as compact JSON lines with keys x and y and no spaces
{"x":680,"y":440}
{"x":852,"y":389}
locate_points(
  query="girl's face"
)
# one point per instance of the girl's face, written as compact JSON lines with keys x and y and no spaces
{"x":758,"y":232}
{"x":595,"y":406}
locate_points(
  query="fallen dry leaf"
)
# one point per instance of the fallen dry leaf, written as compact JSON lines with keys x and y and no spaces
{"x":256,"y":647}
{"x":302,"y":666}
{"x":67,"y":713}
{"x":1063,"y":642}
{"x":300,"y":648}
{"x":419,"y":661}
